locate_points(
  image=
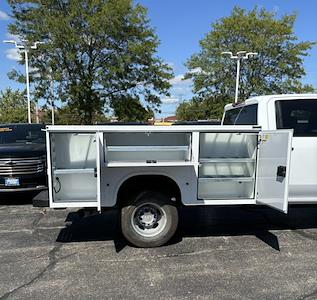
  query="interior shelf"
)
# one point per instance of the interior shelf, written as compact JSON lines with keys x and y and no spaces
{"x":73,"y":171}
{"x":112,"y":164}
{"x":226,"y":188}
{"x":227,"y":160}
{"x":146,"y":148}
{"x":225,"y":178}
{"x":67,"y":199}
{"x":158,"y":148}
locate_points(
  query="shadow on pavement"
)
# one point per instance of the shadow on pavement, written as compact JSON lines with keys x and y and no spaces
{"x":99,"y":227}
{"x":17,"y":198}
{"x":197,"y":222}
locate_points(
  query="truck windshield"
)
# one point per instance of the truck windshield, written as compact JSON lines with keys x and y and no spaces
{"x":243,"y":115}
{"x":25,"y":134}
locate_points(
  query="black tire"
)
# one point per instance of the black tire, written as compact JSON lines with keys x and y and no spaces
{"x":130,"y":220}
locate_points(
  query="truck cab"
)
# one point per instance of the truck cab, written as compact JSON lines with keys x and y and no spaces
{"x":294,"y":111}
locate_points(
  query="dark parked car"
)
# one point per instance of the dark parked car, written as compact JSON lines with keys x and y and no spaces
{"x":22,"y":158}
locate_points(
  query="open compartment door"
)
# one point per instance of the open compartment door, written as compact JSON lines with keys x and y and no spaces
{"x":74,"y":169}
{"x":273,"y":168}
{"x":99,"y":162}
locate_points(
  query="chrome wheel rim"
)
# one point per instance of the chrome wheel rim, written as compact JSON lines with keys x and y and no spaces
{"x":148,"y":219}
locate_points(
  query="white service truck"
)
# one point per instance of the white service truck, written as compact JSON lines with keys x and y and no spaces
{"x":149,"y":171}
{"x":297,"y":112}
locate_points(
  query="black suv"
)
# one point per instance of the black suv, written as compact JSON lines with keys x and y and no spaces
{"x":22,"y":158}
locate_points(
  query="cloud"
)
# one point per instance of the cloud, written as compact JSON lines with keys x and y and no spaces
{"x":4,"y":16}
{"x":178,"y":79}
{"x":14,"y":37}
{"x":171,"y":64}
{"x":170,"y":100}
{"x":13,"y":54}
{"x":197,"y":70}
{"x":33,"y":69}
{"x":180,"y":86}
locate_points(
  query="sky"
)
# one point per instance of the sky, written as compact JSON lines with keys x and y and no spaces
{"x":180,"y":25}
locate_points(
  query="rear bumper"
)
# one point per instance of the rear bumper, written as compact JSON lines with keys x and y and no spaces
{"x":24,"y":189}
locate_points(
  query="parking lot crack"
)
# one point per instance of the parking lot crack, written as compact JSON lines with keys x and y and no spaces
{"x":307,"y":235}
{"x":311,"y":295}
{"x":53,"y":260}
{"x":37,"y":220}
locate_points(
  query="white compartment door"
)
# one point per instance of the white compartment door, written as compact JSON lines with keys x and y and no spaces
{"x":273,"y":168}
{"x":99,"y":161}
{"x":74,"y":165}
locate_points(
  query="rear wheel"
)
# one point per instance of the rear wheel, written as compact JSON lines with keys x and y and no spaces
{"x":150,"y":220}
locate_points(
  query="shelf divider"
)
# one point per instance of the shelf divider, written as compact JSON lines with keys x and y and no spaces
{"x":146,"y":148}
{"x":113,"y":164}
{"x":226,"y":160}
{"x":73,"y":171}
{"x":225,"y":178}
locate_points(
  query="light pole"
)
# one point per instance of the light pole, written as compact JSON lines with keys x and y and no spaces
{"x":26,"y":49}
{"x":238,"y":57}
{"x":52,"y":100}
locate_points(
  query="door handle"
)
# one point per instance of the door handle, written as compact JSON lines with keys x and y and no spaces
{"x":281,"y":171}
{"x":95,"y":172}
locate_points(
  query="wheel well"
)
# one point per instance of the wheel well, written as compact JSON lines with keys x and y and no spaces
{"x":134,"y":185}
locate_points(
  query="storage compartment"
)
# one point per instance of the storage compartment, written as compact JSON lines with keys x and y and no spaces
{"x":73,"y":159}
{"x":225,"y":188}
{"x":147,"y":147}
{"x":73,"y":150}
{"x":75,"y":187}
{"x":227,"y":145}
{"x":227,"y":165}
{"x":227,"y":169}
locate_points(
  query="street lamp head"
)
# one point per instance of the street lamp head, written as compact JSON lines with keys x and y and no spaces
{"x":9,"y":41}
{"x":250,"y":54}
{"x":15,"y":43}
{"x":226,"y":53}
{"x":34,"y":46}
{"x":241,"y":52}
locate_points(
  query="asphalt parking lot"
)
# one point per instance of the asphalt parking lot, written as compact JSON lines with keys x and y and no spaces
{"x":218,"y":253}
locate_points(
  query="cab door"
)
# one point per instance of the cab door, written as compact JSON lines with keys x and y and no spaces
{"x":273,"y":164}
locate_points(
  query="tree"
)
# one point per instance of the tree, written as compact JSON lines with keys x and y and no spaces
{"x":96,"y":51}
{"x":131,"y":109}
{"x":192,"y":111}
{"x":66,"y":116}
{"x":13,"y":107}
{"x":277,"y":69}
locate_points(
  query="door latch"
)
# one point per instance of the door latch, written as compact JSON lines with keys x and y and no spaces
{"x":281,"y":171}
{"x":95,"y":172}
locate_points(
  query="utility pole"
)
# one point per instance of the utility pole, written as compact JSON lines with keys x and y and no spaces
{"x":26,"y":50}
{"x":240,"y":55}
